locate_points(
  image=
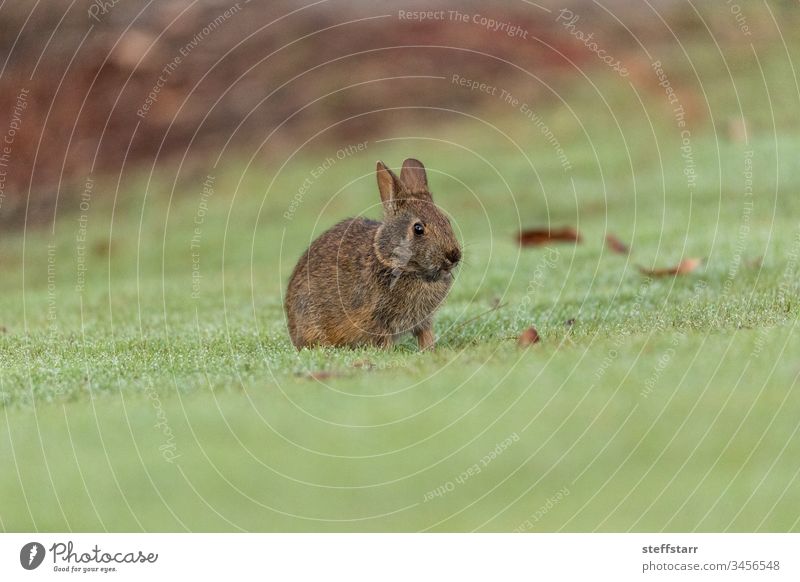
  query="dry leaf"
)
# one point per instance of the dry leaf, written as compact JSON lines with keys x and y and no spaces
{"x":363,"y":364}
{"x":685,"y":267}
{"x":101,"y":247}
{"x":529,"y":337}
{"x":755,"y":263}
{"x":541,"y":236}
{"x":616,"y":245}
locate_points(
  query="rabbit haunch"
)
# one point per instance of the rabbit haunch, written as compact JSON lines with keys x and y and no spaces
{"x":365,"y":282}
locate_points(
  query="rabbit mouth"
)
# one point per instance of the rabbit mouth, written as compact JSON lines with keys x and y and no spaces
{"x":439,"y":274}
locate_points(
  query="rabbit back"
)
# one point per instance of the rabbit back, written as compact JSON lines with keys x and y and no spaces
{"x":332,"y":296}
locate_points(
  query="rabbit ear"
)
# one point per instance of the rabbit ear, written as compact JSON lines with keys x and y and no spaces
{"x":388,"y":184}
{"x":413,"y":176}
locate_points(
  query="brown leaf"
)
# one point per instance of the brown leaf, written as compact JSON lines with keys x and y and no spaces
{"x":529,"y":337}
{"x":101,"y":247}
{"x":363,"y":364}
{"x":616,"y":245}
{"x":755,"y":263}
{"x":685,"y":267}
{"x":533,"y":237}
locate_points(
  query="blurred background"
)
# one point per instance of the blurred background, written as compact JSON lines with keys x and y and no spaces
{"x":117,"y":86}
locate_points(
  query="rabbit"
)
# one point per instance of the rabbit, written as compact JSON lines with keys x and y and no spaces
{"x":365,"y":282}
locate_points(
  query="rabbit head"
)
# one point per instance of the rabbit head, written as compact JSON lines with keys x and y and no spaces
{"x":416,"y":237}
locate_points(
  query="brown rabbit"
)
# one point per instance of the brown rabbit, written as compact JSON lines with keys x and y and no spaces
{"x":367,"y":283}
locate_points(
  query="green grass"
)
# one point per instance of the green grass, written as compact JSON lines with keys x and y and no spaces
{"x":668,"y":404}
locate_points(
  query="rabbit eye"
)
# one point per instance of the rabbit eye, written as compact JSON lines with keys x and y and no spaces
{"x":419,"y":229}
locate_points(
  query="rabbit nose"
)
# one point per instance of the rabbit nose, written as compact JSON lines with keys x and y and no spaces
{"x":453,"y":256}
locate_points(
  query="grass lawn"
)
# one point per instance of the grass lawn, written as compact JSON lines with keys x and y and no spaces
{"x":164,"y":393}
